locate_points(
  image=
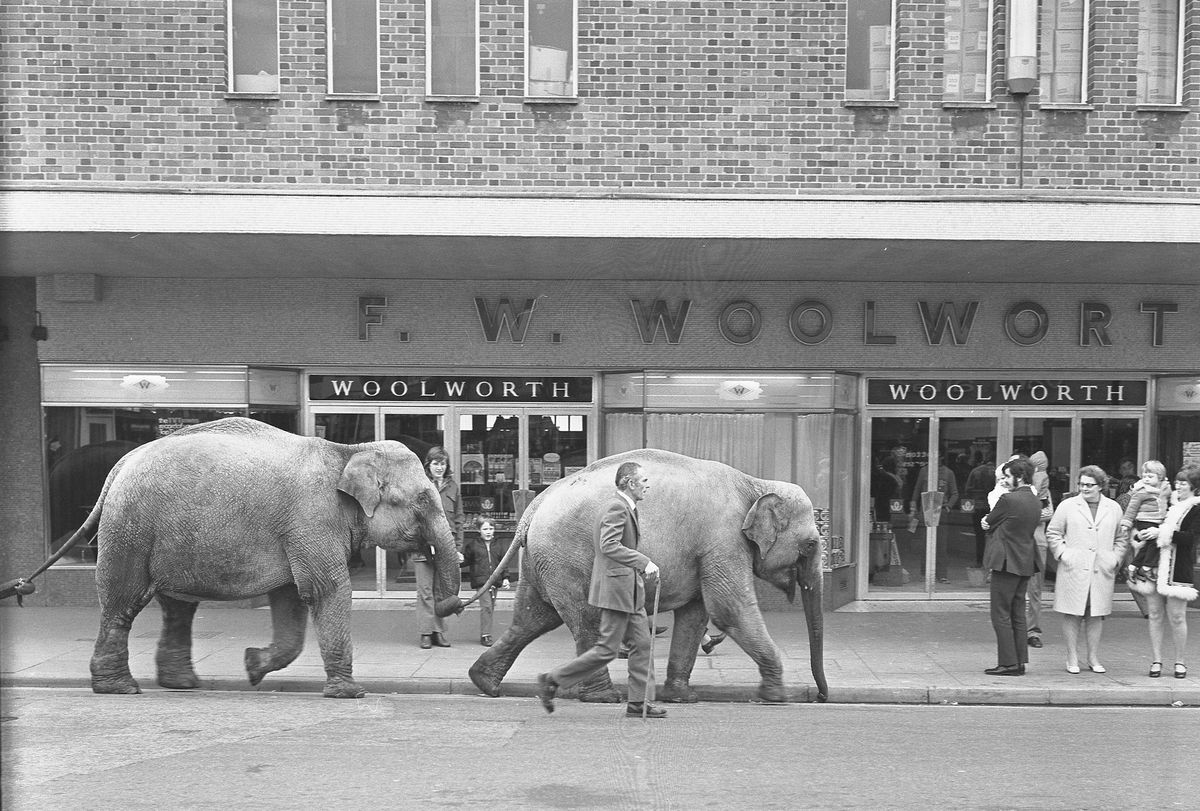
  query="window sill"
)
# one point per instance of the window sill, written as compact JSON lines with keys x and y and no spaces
{"x":551,"y":100}
{"x":252,"y":96}
{"x":1065,"y":107}
{"x":1162,"y":108}
{"x":452,"y":99}
{"x":889,"y":103}
{"x":968,"y":105}
{"x":351,"y":97}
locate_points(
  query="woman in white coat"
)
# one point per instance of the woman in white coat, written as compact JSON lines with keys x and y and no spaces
{"x":1084,"y":538}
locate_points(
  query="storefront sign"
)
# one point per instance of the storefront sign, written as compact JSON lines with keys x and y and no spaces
{"x":1073,"y":393}
{"x":457,"y":388}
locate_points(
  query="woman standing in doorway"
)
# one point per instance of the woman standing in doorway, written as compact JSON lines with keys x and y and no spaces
{"x":1084,"y":537}
{"x":1166,"y":563}
{"x":433,"y":627}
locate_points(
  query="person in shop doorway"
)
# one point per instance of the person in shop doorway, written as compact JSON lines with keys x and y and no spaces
{"x":1037,"y":581}
{"x":948,"y":487}
{"x":1011,"y":555}
{"x":1085,"y":537}
{"x":481,"y":556}
{"x":980,"y":482}
{"x":433,"y":627}
{"x":618,"y":591}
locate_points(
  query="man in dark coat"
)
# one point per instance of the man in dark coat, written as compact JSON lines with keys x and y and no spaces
{"x":1011,"y":554}
{"x":617,"y":590}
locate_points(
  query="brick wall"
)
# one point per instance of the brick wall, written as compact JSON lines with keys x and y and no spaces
{"x":681,"y":97}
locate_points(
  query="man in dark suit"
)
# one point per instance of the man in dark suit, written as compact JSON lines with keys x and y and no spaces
{"x":1011,"y":554}
{"x":617,"y":590}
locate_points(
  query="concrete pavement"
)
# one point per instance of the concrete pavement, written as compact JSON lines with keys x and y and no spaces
{"x":880,"y":652}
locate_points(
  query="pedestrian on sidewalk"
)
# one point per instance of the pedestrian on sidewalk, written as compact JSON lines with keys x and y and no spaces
{"x":1011,"y":555}
{"x":618,"y":591}
{"x":1085,"y":538}
{"x":1041,"y":489}
{"x":433,"y":627}
{"x":1164,"y":562}
{"x":482,"y":556}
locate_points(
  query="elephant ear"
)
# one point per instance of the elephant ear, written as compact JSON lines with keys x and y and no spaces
{"x":362,"y":478}
{"x":764,"y":522}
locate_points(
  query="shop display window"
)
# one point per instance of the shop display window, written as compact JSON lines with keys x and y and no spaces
{"x":83,"y":444}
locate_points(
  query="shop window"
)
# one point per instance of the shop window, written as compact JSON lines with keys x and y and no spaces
{"x":550,"y":48}
{"x":733,"y":439}
{"x":1064,"y":52}
{"x":253,"y":46}
{"x":1158,"y":52}
{"x":83,"y":444}
{"x":870,"y":56}
{"x":353,"y":31}
{"x":558,"y":447}
{"x":966,"y":60}
{"x":1112,"y":445}
{"x":452,"y":48}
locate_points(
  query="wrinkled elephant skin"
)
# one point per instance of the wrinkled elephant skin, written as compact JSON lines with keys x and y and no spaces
{"x":710,"y":528}
{"x":235,"y":509}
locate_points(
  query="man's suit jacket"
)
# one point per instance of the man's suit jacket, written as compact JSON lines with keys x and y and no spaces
{"x":616,"y":571}
{"x":1010,"y":544}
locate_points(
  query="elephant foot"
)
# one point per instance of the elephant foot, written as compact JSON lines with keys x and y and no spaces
{"x":772,"y":694}
{"x":116,"y":686}
{"x":488,"y":684}
{"x":343,"y":688}
{"x":604,"y":695}
{"x":678,"y":691}
{"x":185,"y":680}
{"x":258,"y":664}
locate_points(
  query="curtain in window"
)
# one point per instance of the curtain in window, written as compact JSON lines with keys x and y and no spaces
{"x":734,"y":439}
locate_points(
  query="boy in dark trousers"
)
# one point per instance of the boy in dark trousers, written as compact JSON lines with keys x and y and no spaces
{"x":482,"y":555}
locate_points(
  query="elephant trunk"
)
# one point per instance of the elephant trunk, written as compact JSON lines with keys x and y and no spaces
{"x":446,"y":574}
{"x":810,"y":577}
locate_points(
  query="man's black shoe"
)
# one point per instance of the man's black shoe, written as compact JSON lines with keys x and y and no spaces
{"x":440,"y":640}
{"x":1035,"y":641}
{"x":634,"y":708}
{"x":713,"y":641}
{"x":546,"y":690}
{"x":1006,"y":670}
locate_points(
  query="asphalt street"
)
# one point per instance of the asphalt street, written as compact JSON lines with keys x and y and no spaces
{"x":67,"y":748}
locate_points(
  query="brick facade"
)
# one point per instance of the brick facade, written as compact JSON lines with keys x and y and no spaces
{"x":680,"y":97}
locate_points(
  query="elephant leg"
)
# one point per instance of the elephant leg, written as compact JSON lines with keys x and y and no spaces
{"x":749,"y":631}
{"x":690,"y":622}
{"x":532,"y":617}
{"x":174,"y":656}
{"x":110,"y":659}
{"x":331,"y":613}
{"x":289,"y":616}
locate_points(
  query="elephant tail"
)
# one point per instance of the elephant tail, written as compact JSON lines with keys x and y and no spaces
{"x":518,"y":541}
{"x":23,"y":586}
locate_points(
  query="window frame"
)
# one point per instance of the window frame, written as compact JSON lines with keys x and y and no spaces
{"x":989,"y":55}
{"x":1047,"y":57}
{"x":231,"y":83}
{"x":430,"y":95}
{"x":1180,"y":25}
{"x":869,"y":100}
{"x":573,"y":74}
{"x":331,"y":92}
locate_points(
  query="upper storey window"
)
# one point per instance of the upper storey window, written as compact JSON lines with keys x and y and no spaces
{"x":253,"y":46}
{"x":1064,"y":52}
{"x":870,"y":52}
{"x":353,"y":41}
{"x":967,"y":63}
{"x":452,"y":48}
{"x":550,"y":48}
{"x":1159,"y":50}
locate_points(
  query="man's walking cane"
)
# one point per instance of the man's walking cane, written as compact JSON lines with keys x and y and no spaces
{"x":653,"y":622}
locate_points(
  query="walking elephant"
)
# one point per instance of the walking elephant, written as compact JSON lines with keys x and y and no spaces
{"x":234,"y":509}
{"x":710,"y":528}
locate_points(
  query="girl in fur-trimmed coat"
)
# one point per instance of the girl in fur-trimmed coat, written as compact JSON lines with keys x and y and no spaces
{"x":1166,"y":574}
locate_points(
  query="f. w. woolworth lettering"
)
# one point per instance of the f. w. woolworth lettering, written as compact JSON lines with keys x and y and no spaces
{"x":811,"y":321}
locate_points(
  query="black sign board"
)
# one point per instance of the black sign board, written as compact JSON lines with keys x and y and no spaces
{"x":1062,"y":393}
{"x":450,"y":388}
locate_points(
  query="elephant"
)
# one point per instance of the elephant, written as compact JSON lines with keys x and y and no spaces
{"x":709,"y":527}
{"x":235,"y":509}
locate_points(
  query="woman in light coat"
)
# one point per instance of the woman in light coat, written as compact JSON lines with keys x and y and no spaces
{"x":1084,"y":538}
